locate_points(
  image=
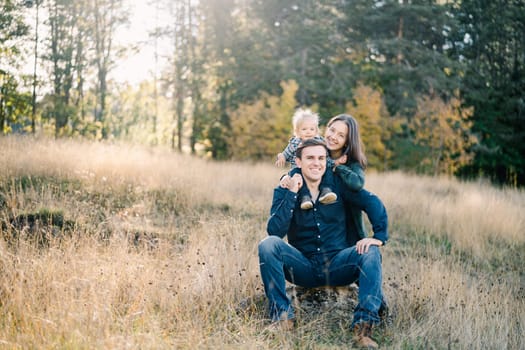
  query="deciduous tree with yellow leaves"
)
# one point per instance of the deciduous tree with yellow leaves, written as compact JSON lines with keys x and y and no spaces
{"x":369,"y":109}
{"x":443,"y":129}
{"x":262,"y":129}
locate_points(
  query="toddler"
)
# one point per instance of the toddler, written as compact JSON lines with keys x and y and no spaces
{"x":305,"y":126}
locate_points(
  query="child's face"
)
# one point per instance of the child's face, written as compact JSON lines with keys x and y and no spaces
{"x":307,"y":129}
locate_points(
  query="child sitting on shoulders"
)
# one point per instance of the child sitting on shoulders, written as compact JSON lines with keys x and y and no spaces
{"x":306,"y":126}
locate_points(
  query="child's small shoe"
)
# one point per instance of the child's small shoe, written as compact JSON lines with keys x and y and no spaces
{"x":306,"y":203}
{"x":327,"y":196}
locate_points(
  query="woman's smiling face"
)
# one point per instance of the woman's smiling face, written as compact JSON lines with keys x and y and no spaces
{"x":335,"y":137}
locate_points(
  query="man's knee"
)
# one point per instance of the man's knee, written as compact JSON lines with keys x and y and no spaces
{"x":268,"y":245}
{"x":373,"y":254}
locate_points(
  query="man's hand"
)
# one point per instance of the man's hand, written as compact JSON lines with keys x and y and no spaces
{"x":365,"y":243}
{"x":292,"y":183}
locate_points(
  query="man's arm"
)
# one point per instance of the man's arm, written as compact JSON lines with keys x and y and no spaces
{"x":283,"y":205}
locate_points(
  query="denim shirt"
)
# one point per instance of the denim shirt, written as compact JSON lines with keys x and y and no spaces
{"x":322,"y":229}
{"x":353,"y":176}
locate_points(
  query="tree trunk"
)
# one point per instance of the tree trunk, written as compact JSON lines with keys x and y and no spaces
{"x":2,"y":113}
{"x":33,"y":99}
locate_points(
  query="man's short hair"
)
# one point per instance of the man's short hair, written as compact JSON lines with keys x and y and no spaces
{"x":309,"y":143}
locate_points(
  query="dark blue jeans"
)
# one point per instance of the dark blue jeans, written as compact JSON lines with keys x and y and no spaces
{"x":280,"y":262}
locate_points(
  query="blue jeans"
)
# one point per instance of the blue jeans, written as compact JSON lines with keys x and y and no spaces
{"x":280,"y":262}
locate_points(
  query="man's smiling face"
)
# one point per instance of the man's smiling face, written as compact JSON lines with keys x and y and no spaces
{"x":313,"y":162}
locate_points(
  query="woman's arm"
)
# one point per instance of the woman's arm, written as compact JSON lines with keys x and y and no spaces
{"x":352,"y":175}
{"x":374,"y":209}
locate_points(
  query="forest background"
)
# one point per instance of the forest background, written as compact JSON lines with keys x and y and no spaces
{"x":437,"y":86}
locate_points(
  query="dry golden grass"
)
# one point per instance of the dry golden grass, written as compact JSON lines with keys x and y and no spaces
{"x":160,"y":252}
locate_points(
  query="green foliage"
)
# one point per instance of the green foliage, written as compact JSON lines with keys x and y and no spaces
{"x":219,"y":130}
{"x":407,"y":154}
{"x":59,"y":113}
{"x":402,"y":48}
{"x":492,"y":44}
{"x":12,"y":27}
{"x":38,"y":227}
{"x":229,"y":55}
{"x":38,"y":183}
{"x":14,"y":105}
{"x":301,"y":42}
{"x":45,"y":216}
{"x":13,"y":102}
{"x":132,"y":116}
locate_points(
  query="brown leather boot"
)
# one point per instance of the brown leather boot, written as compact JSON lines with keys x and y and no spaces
{"x":363,"y":336}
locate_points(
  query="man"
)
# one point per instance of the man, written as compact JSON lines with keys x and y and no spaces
{"x":317,"y":252}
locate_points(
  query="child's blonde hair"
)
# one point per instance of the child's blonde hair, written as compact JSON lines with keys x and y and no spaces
{"x":300,"y":115}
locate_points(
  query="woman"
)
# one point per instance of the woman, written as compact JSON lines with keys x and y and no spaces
{"x":343,"y":140}
{"x":344,"y":144}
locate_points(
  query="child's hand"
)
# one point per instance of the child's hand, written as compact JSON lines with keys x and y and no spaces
{"x":281,"y":161}
{"x":284,"y":181}
{"x":299,"y":179}
{"x":292,"y":183}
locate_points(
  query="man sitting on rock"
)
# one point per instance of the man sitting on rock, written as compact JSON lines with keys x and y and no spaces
{"x":318,"y":253}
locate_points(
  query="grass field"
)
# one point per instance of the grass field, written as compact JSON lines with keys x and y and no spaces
{"x":112,"y":247}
